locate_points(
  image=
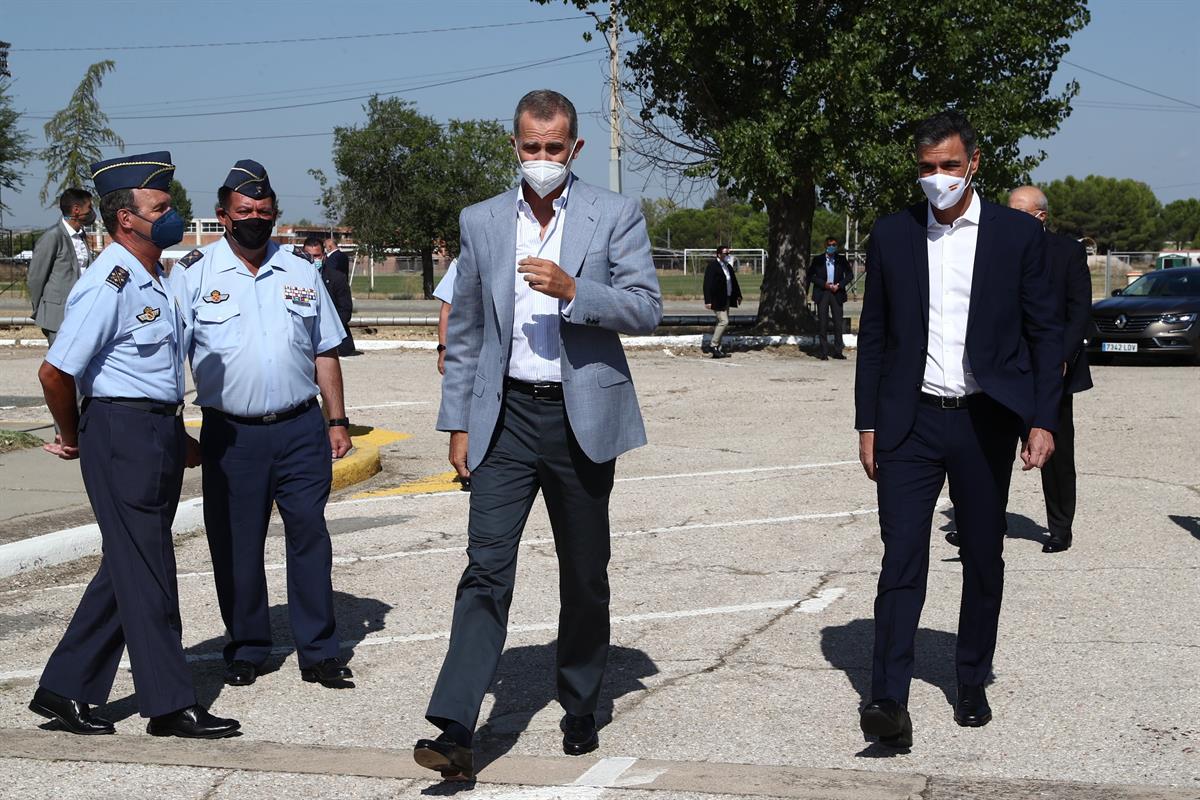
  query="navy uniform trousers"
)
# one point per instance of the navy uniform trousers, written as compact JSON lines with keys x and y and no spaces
{"x":247,"y":467}
{"x":974,"y":447}
{"x":533,"y":449}
{"x":132,"y":465}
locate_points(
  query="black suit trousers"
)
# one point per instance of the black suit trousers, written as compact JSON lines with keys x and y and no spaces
{"x":973,"y":447}
{"x":533,"y":449}
{"x":829,"y":310}
{"x":1058,"y":475}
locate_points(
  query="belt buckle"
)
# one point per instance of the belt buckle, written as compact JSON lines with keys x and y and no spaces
{"x":269,"y":418}
{"x":952,"y":402}
{"x":178,"y":409}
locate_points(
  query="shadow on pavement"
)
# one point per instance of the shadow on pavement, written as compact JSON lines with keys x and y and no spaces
{"x":1189,"y":524}
{"x":357,"y":617}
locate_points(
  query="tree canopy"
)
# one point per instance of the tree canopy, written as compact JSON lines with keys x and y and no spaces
{"x":1118,"y":213}
{"x":1181,"y":222}
{"x":180,"y":201}
{"x":406,"y":177}
{"x":75,"y":135}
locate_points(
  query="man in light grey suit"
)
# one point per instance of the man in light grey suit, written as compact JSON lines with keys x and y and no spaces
{"x":59,"y":258}
{"x":537,"y":395}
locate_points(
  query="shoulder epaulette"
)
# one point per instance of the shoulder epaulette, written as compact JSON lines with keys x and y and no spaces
{"x":118,"y":278}
{"x":302,"y":253}
{"x":190,"y":258}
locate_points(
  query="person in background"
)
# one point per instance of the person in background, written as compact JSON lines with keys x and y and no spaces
{"x":338,"y":286}
{"x":60,"y":256}
{"x":829,"y":274}
{"x":1066,"y":259}
{"x":445,"y":293}
{"x":337,"y":261}
{"x":721,"y":293}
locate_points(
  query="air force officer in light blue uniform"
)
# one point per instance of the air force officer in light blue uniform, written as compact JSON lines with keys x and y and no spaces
{"x":121,"y":345}
{"x":263,"y":345}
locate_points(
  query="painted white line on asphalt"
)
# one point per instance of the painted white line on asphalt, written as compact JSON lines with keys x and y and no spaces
{"x":396,"y":404}
{"x":605,"y":772}
{"x":808,"y":606}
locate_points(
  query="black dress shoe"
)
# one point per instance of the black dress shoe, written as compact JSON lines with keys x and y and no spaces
{"x":71,"y":715}
{"x":446,"y":757}
{"x":888,"y":721}
{"x":972,"y":709}
{"x":823,"y":357}
{"x":952,"y":538}
{"x":840,"y":356}
{"x":1056,"y":544}
{"x":240,"y":673}
{"x":579,"y":734}
{"x":193,"y":722}
{"x":331,"y":672}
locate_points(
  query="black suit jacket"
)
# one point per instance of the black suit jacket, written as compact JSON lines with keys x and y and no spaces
{"x":339,"y":291}
{"x":816,"y":277}
{"x":1014,"y":331}
{"x":715,"y":292}
{"x":338,"y":260}
{"x":1067,"y":262}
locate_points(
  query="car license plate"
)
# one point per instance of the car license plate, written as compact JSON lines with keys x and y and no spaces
{"x":1118,"y":347}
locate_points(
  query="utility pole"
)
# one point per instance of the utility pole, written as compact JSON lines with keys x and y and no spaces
{"x":614,"y":101}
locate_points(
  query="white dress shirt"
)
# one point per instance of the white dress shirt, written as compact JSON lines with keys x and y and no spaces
{"x":830,"y":269}
{"x":79,"y":239}
{"x":951,"y":268}
{"x":535,"y":341}
{"x":728,"y":280}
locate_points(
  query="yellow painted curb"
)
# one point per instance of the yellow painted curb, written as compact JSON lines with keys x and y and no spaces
{"x":362,"y":461}
{"x":441,"y":482}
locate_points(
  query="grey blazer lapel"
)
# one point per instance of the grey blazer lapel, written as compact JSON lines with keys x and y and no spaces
{"x":66,"y":241}
{"x":581,"y":221}
{"x":502,"y":253}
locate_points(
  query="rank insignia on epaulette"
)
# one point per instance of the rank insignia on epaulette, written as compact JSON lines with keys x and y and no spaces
{"x":190,"y":258}
{"x":215,"y":297}
{"x":118,"y":277}
{"x":148,"y":314}
{"x":300,"y":252}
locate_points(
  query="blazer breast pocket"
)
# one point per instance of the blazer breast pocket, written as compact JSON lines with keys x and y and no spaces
{"x":607,"y":376}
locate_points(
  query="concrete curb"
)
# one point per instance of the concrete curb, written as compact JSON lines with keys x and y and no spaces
{"x":62,"y":546}
{"x":560,"y":772}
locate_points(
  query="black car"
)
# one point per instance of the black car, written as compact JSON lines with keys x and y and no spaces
{"x":1158,"y":314}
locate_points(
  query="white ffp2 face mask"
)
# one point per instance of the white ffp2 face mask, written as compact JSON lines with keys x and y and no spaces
{"x":545,"y":176}
{"x":944,"y":190}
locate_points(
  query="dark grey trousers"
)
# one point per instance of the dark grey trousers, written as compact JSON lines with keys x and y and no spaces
{"x":1058,"y":476}
{"x":533,"y":449}
{"x":829,"y":312}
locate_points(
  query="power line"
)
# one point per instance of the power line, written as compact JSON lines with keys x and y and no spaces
{"x":1132,"y":85}
{"x":279,"y":135}
{"x":303,"y":40}
{"x":313,"y":103}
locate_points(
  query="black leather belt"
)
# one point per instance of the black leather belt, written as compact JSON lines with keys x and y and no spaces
{"x":268,"y":419}
{"x":949,"y":402}
{"x":139,"y":404}
{"x":538,"y":391}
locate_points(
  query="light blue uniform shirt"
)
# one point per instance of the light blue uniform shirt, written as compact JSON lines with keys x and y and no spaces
{"x":253,"y":339}
{"x":445,"y":287}
{"x":123,"y":335}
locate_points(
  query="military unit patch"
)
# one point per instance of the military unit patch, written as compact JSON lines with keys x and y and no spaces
{"x":215,"y":297}
{"x":148,"y":314}
{"x":118,"y":277}
{"x":299,"y":294}
{"x":190,"y":258}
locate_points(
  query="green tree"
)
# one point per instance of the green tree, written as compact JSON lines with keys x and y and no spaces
{"x":1118,"y":213}
{"x":654,"y":210}
{"x":180,"y":201}
{"x":14,"y":145}
{"x":405,"y":178}
{"x":780,"y":99}
{"x":1181,"y":222}
{"x":76,"y":134}
{"x":329,"y":199}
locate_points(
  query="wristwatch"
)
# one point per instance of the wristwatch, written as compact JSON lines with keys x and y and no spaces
{"x":341,"y":422}
{"x":441,"y":348}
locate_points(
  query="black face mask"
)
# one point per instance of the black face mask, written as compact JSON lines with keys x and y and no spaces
{"x":252,"y":232}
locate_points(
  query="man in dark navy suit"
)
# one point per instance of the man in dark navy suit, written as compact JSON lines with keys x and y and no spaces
{"x":829,"y":274}
{"x":959,"y":357}
{"x":1066,"y":259}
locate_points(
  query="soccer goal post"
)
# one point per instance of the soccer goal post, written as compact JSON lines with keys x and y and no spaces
{"x":695,"y":259}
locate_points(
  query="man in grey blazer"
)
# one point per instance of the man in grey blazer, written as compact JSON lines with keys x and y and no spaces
{"x":537,"y":395}
{"x":59,"y":258}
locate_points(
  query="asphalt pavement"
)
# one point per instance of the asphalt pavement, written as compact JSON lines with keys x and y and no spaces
{"x":745,"y":553}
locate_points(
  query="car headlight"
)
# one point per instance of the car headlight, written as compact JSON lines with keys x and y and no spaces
{"x":1176,"y":319}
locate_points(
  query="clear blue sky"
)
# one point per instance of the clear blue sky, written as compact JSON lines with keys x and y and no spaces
{"x":1151,"y":43}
